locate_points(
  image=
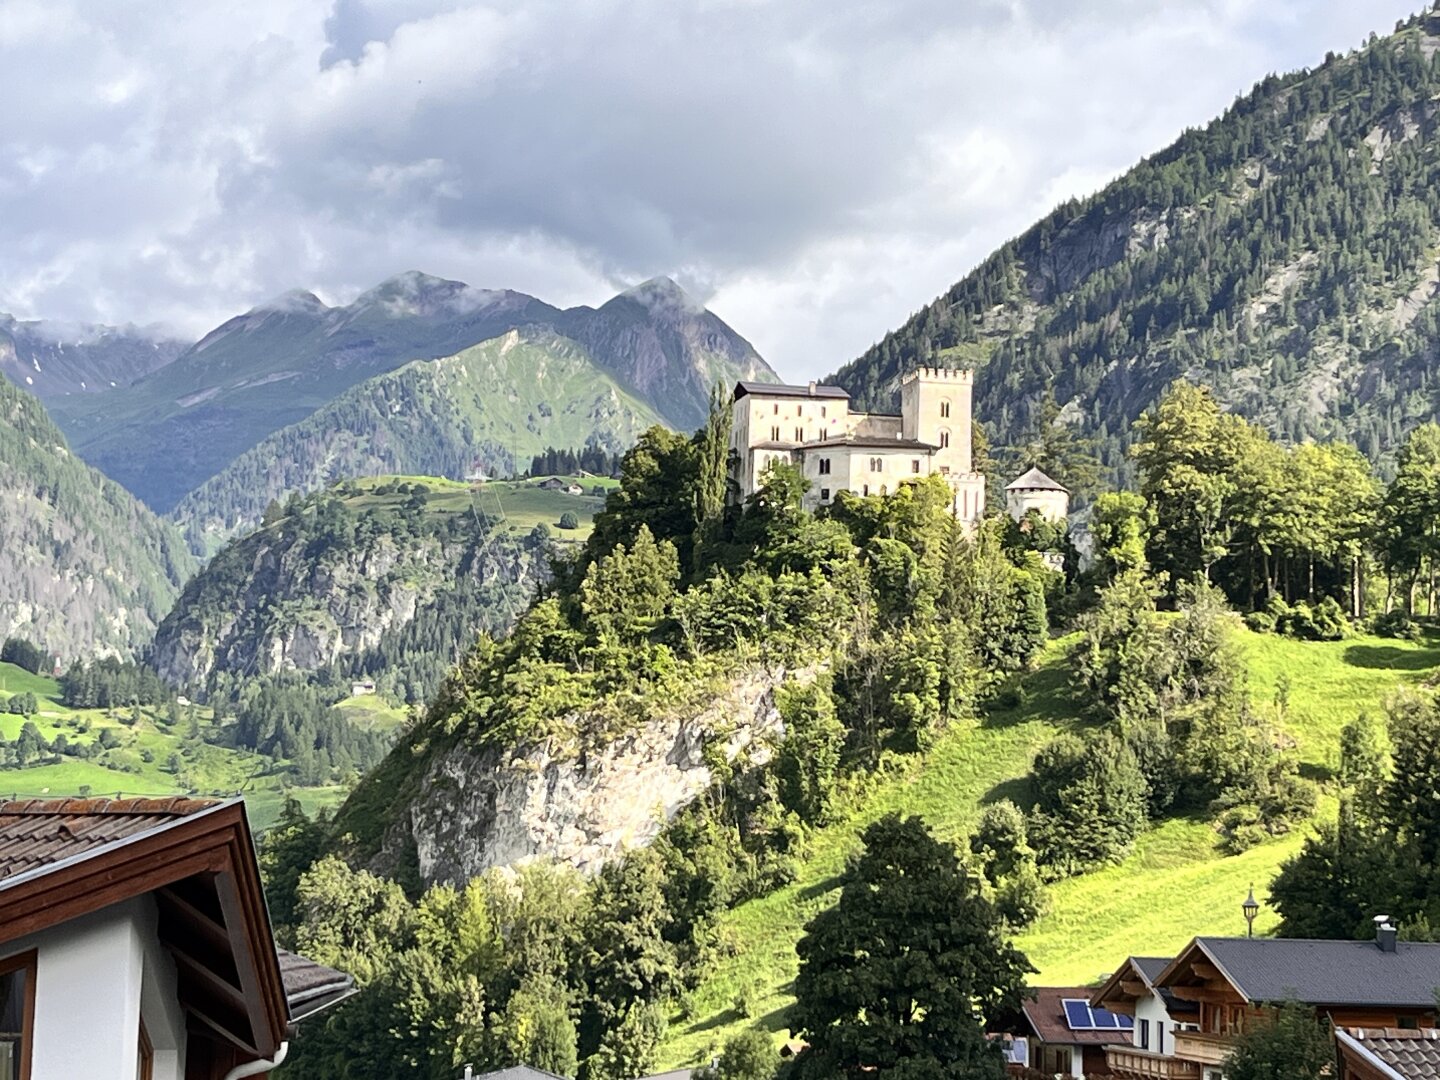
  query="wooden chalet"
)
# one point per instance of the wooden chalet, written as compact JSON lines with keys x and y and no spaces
{"x":135,"y":945}
{"x":1382,"y":983}
{"x":1158,"y":1015}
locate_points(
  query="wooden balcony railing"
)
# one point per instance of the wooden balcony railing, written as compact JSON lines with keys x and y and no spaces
{"x":1131,"y":1064}
{"x":1203,"y":1046}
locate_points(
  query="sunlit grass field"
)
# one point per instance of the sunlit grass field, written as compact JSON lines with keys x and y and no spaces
{"x":141,"y":764}
{"x":1174,"y":886}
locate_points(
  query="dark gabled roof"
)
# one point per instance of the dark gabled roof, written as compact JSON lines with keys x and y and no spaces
{"x":1410,"y":1055}
{"x":1322,"y":972}
{"x":1150,"y":967}
{"x":764,"y":389}
{"x":38,"y":833}
{"x":873,"y":442}
{"x":1035,"y":480}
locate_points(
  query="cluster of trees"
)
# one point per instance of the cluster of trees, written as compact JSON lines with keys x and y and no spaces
{"x":25,"y":654}
{"x":1255,"y":250}
{"x":906,"y":971}
{"x":1382,"y":854}
{"x":289,"y":718}
{"x":23,"y":704}
{"x":595,"y":460}
{"x":108,"y":683}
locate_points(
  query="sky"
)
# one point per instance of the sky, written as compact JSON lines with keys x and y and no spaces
{"x":812,"y":170}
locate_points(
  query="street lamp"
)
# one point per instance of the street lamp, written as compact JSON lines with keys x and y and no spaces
{"x":1251,"y":908}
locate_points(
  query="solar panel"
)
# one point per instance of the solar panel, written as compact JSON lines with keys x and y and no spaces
{"x":1127,"y":1022}
{"x":1077,"y":1014}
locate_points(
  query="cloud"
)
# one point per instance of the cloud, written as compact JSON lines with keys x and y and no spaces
{"x":816,"y":172}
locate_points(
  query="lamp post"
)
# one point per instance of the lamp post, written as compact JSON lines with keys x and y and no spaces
{"x":1251,"y":908}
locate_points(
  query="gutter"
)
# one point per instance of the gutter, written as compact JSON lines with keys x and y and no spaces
{"x":255,"y":1068}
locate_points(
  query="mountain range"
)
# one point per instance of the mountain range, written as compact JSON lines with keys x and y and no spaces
{"x":173,"y":427}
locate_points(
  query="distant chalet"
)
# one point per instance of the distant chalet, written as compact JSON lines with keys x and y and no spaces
{"x":813,"y":428}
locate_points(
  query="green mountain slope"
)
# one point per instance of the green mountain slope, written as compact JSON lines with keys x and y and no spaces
{"x":1176,"y":884}
{"x":84,"y":567}
{"x":384,"y":580}
{"x":1285,"y":253}
{"x":489,"y":408}
{"x":276,"y":364}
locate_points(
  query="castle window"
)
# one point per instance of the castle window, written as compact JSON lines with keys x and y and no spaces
{"x":799,"y":434}
{"x":775,"y":433}
{"x":882,"y":490}
{"x":877,"y":464}
{"x":915,"y":466}
{"x":824,"y":469}
{"x":776,"y":409}
{"x":864,"y":489}
{"x":824,"y":494}
{"x":944,"y":440}
{"x":944,"y":408}
{"x":822,"y":412}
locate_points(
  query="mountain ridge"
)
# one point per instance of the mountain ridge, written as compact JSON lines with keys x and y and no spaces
{"x":272,"y":366}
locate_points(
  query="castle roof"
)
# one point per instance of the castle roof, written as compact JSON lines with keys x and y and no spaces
{"x":872,"y":442}
{"x":1035,"y":480}
{"x":811,"y":390}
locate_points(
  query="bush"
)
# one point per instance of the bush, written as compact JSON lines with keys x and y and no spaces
{"x":1325,"y":621}
{"x":1396,"y":624}
{"x":568,"y":520}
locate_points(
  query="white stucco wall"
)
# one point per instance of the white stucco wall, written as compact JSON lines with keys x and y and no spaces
{"x":1053,"y":505}
{"x":1162,"y":1030}
{"x":91,"y":975}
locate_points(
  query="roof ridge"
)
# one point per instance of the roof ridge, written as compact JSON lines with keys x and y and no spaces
{"x":168,"y":806}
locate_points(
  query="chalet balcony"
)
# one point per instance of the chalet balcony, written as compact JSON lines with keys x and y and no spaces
{"x":1128,"y":1063}
{"x":1203,"y":1046}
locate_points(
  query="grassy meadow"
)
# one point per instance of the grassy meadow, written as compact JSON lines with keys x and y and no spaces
{"x":519,"y":504}
{"x":1175,"y":885}
{"x":141,"y":762}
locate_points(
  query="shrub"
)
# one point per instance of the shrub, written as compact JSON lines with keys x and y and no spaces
{"x":568,"y":520}
{"x":1396,"y":624}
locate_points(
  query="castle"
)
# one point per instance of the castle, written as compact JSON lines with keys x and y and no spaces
{"x":837,"y":450}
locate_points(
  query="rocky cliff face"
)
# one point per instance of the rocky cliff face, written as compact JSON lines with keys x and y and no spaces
{"x":283,"y":598}
{"x":478,"y":808}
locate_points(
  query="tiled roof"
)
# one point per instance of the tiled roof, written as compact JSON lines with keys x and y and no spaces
{"x":1413,"y":1055}
{"x":1047,"y":1017}
{"x":35,"y":833}
{"x":311,"y":987}
{"x":1328,"y":972}
{"x":1150,"y":966}
{"x":1035,"y":480}
{"x":764,"y":389}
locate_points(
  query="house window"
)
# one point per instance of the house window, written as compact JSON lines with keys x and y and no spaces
{"x":17,"y":1015}
{"x":944,"y":408}
{"x":944,"y":440}
{"x":915,"y":466}
{"x":824,"y":494}
{"x":1142,"y":1034}
{"x":824,"y":469}
{"x":1159,"y":1038}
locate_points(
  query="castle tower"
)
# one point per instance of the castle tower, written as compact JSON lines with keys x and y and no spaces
{"x":935,"y":409}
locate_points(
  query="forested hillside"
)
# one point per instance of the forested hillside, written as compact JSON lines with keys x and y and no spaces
{"x":1285,"y":254}
{"x":385,"y":581}
{"x":488,"y":409}
{"x":84,"y":567}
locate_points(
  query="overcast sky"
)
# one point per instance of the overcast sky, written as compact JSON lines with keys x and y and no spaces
{"x":814,"y":170}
